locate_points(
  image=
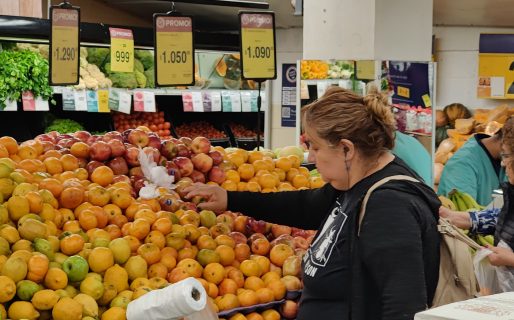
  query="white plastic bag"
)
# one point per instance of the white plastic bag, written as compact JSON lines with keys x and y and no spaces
{"x":156,"y":176}
{"x":505,"y":274}
{"x":485,"y":273}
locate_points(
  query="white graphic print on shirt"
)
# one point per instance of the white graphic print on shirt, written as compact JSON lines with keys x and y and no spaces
{"x":320,"y":251}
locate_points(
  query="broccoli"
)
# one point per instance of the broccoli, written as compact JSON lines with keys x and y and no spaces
{"x":98,"y":56}
{"x":123,"y":80}
{"x":146,"y":58}
{"x":150,"y":78}
{"x":138,"y":66}
{"x":64,"y":126}
{"x":141,"y":79}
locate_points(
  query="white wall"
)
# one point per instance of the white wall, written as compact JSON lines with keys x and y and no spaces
{"x":457,"y":70}
{"x":289,"y":50}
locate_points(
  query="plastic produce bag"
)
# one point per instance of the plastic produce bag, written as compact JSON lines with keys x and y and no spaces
{"x":156,"y":176}
{"x":505,"y":274}
{"x":485,"y":273}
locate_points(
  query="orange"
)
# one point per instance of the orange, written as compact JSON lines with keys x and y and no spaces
{"x":186,"y":253}
{"x":71,"y":198}
{"x":177,"y":274}
{"x":254,"y":283}
{"x":227,"y":302}
{"x":278,"y":288}
{"x":263,"y":262}
{"x":153,"y":203}
{"x":168,"y":260}
{"x":250,"y":268}
{"x":35,"y":202}
{"x":269,"y":276}
{"x":227,"y":254}
{"x":80,"y":150}
{"x":270,"y":314}
{"x":69,"y":162}
{"x":146,"y":214}
{"x":192,"y":267}
{"x":4,"y":153}
{"x":212,"y":290}
{"x":246,"y":171}
{"x":118,"y":220}
{"x":112,"y":210}
{"x":284,"y":163}
{"x":113,"y":230}
{"x":291,"y":174}
{"x":100,"y":259}
{"x":236,"y":159}
{"x":237,"y":276}
{"x":102,"y":175}
{"x":300,"y":181}
{"x":157,"y":238}
{"x":304,"y":171}
{"x":206,"y":242}
{"x":71,"y":244}
{"x":71,"y":226}
{"x":122,"y":198}
{"x":51,"y":153}
{"x":254,"y":155}
{"x":316,"y":182}
{"x":157,"y":270}
{"x":82,"y":207}
{"x":242,"y":252}
{"x":162,"y":225}
{"x":254,"y":316}
{"x":227,"y":286}
{"x":214,"y":273}
{"x":267,"y":180}
{"x":247,"y":298}
{"x":229,"y":185}
{"x":232,"y":175}
{"x":88,"y":220}
{"x":133,"y":242}
{"x":52,"y":185}
{"x":261,"y":246}
{"x":81,"y":174}
{"x":53,"y":165}
{"x":150,"y":252}
{"x":265,"y":295}
{"x":253,"y":186}
{"x":139,"y":228}
{"x":295,"y":160}
{"x":56,"y":279}
{"x":25,"y":152}
{"x":98,"y":196}
{"x":10,"y":145}
{"x":280,"y":253}
{"x":37,"y":268}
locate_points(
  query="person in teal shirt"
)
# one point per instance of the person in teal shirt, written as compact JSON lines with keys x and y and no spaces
{"x":475,"y":168}
{"x":414,"y":154}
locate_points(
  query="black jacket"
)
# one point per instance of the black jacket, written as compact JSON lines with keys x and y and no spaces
{"x":505,"y":225}
{"x":389,"y":273}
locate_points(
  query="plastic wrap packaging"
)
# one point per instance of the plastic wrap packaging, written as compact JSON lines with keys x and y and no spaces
{"x":156,"y":176}
{"x":182,"y":299}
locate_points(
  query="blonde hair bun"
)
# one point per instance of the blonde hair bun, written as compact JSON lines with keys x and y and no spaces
{"x":377,"y":103}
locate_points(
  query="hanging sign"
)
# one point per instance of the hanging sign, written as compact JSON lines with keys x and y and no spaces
{"x":174,"y":51}
{"x":258,"y":56}
{"x":122,"y":50}
{"x":64,"y":45}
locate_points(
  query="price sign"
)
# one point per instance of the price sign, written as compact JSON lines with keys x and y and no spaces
{"x":64,"y":46}
{"x":174,"y":52}
{"x":122,"y":50}
{"x":258,"y":58}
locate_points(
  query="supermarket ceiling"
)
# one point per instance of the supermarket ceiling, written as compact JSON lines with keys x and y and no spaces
{"x":492,"y":13}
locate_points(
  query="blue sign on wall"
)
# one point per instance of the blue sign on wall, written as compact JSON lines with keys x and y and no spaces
{"x":288,"y":110}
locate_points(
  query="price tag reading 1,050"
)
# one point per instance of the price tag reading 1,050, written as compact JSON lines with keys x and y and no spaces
{"x":174,"y":50}
{"x":258,"y":45}
{"x":64,"y":43}
{"x":122,"y":50}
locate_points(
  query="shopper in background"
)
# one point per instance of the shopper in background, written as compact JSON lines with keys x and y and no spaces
{"x":410,"y":150}
{"x":390,"y":271}
{"x":475,"y":168}
{"x":499,"y":222}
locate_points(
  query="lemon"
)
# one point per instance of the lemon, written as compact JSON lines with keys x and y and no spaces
{"x":22,"y":310}
{"x":15,"y":268}
{"x":114,"y":313}
{"x":92,"y":287}
{"x":118,"y":277}
{"x":89,"y":305}
{"x":8,"y":289}
{"x":67,"y":309}
{"x":45,"y":299}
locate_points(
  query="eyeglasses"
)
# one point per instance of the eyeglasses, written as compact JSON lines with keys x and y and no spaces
{"x":505,"y":156}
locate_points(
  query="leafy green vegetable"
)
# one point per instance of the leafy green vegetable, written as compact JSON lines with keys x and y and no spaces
{"x":146,"y":58}
{"x":150,"y":78}
{"x":23,"y":71}
{"x":141,"y":79}
{"x":138,"y":66}
{"x":64,"y":126}
{"x":98,"y":56}
{"x":123,"y":80}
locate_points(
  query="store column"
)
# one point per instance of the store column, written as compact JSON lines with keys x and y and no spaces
{"x":368,"y":29}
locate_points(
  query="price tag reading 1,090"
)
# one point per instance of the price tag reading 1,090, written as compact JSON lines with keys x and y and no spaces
{"x":122,"y":50}
{"x":258,"y":45}
{"x":64,"y":46}
{"x":174,"y":50}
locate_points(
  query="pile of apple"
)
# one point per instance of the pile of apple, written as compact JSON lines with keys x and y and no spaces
{"x":199,"y":128}
{"x":154,"y":121}
{"x":240,"y":131}
{"x":77,"y":242}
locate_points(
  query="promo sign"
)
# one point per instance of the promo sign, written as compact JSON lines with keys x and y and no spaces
{"x":174,"y":51}
{"x":64,"y":46}
{"x":258,"y":58}
{"x":122,"y":50}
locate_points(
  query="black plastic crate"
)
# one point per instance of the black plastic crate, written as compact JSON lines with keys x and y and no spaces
{"x":248,"y":143}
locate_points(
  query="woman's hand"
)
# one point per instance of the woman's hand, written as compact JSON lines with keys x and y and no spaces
{"x":501,"y":256}
{"x":458,"y":218}
{"x":216,"y":198}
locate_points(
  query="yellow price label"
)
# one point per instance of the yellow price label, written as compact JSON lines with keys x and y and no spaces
{"x":258,"y":46}
{"x":403,"y":92}
{"x":426,"y":100}
{"x":122,"y":50}
{"x":174,"y":50}
{"x":103,"y":100}
{"x":64,"y":43}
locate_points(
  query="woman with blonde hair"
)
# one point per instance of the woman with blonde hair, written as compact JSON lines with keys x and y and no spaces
{"x":389,"y":270}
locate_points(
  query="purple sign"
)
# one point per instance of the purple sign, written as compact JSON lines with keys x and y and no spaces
{"x":410,"y":82}
{"x":288,"y":110}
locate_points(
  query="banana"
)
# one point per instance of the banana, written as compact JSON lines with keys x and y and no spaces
{"x":468,"y":200}
{"x":461,"y":205}
{"x":447,"y":203}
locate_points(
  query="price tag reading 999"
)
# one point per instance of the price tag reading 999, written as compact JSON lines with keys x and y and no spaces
{"x":174,"y":51}
{"x":258,"y":58}
{"x":64,"y":46}
{"x":122,"y":50}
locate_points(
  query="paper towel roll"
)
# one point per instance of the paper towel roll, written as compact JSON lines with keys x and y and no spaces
{"x":175,"y":301}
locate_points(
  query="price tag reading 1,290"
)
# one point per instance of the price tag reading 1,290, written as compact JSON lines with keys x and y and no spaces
{"x":64,"y":43}
{"x":174,"y":50}
{"x":122,"y":50}
{"x":258,"y":45}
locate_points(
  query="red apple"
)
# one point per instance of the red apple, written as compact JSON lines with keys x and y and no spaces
{"x":92,"y":140}
{"x":92,"y":165}
{"x":136,"y":172}
{"x":217,"y":157}
{"x":310,"y":239}
{"x":173,"y":170}
{"x":131,"y":156}
{"x":138,"y":138}
{"x":189,"y":206}
{"x":238,"y":237}
{"x":227,"y":165}
{"x":152,"y":152}
{"x":138,"y":184}
{"x":82,"y":135}
{"x":217,"y":175}
{"x":99,"y":151}
{"x":284,"y":239}
{"x":292,"y":266}
{"x":301,"y":242}
{"x":154,"y":141}
{"x":292,"y":283}
{"x":112,"y":135}
{"x":295,"y":232}
{"x":278,"y":230}
{"x":82,"y":162}
{"x":201,"y":145}
{"x":117,"y":148}
{"x":169,"y":149}
{"x":240,"y":224}
{"x":289,"y":309}
{"x":256,"y":236}
{"x":257,"y":226}
{"x":119,"y":165}
{"x":227,"y":219}
{"x":186,"y":141}
{"x":121,"y":178}
{"x":197,"y":176}
{"x":183,"y":151}
{"x":202,"y":162}
{"x":185,"y":166}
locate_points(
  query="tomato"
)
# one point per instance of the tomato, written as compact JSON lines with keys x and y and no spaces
{"x":167,"y":125}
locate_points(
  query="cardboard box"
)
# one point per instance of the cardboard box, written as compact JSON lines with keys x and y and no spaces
{"x":493,"y":307}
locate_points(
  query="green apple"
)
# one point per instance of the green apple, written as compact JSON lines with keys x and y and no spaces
{"x":25,"y":289}
{"x":76,"y":268}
